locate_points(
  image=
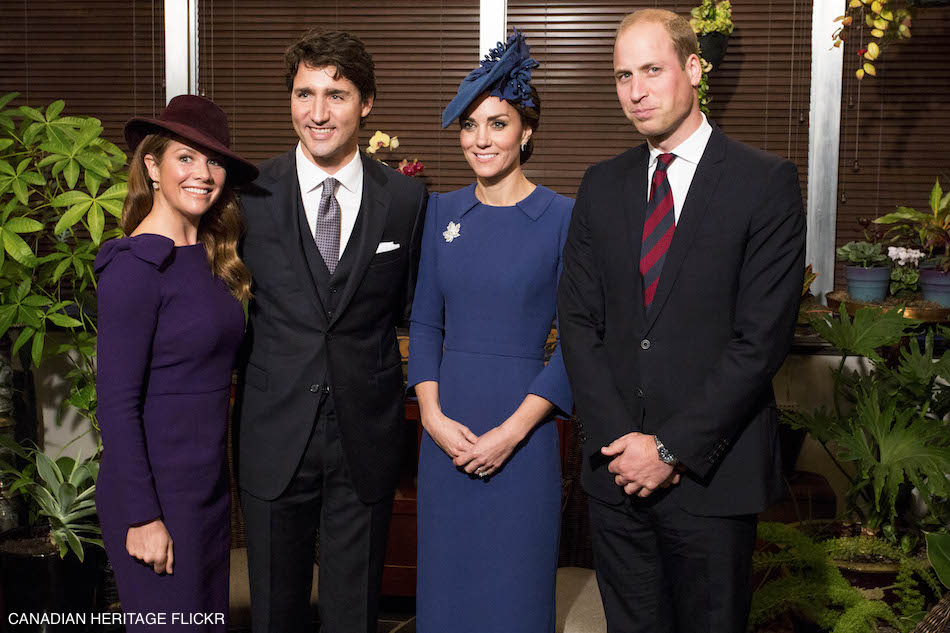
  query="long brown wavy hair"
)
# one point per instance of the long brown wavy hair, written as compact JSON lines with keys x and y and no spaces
{"x":220,"y":227}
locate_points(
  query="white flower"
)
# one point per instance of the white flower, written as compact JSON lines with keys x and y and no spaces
{"x":904,"y":256}
{"x":451,"y":231}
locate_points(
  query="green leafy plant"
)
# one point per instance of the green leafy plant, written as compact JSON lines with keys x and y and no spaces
{"x":799,"y":576}
{"x":864,"y":254}
{"x":886,"y":424}
{"x":931,"y":230}
{"x":938,"y":552}
{"x":59,"y":493}
{"x":58,"y":181}
{"x":904,"y":278}
{"x":712,"y":17}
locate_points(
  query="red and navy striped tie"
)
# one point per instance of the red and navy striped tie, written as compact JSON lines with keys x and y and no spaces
{"x":657,"y":229}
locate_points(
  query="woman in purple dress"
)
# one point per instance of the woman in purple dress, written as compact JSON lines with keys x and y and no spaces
{"x":489,"y":472}
{"x":170,"y":322}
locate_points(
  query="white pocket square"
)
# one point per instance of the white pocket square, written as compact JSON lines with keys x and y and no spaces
{"x":385,"y":247}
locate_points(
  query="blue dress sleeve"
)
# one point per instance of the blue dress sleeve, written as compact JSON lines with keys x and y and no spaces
{"x":427,"y":323}
{"x":129,"y":300}
{"x":552,"y":383}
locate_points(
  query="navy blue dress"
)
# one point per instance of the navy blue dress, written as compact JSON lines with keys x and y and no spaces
{"x":168,"y":337}
{"x":486,"y":292}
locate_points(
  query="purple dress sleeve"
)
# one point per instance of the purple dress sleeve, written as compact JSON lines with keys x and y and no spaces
{"x":129,"y":298}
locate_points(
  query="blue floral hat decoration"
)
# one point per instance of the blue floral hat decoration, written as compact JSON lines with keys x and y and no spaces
{"x":504,"y":73}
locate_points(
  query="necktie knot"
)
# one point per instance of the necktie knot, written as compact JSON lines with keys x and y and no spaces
{"x":329,"y":186}
{"x":663,"y":161}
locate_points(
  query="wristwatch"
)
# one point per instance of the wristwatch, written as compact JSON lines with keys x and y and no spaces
{"x":665,"y":455}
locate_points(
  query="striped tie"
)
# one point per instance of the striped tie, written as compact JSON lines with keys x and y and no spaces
{"x":657,"y":230}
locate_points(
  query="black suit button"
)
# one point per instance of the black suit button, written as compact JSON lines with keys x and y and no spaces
{"x":329,"y":337}
{"x":639,"y":392}
{"x":332,"y":289}
{"x":645,"y":344}
{"x":330,"y":313}
{"x":314,"y":388}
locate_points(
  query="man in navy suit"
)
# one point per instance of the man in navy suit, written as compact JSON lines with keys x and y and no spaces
{"x":681,"y":279}
{"x":332,"y":242}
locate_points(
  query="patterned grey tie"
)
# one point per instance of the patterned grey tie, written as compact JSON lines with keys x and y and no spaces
{"x":327,"y":233}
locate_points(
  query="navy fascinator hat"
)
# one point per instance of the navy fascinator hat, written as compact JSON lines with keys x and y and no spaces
{"x":504,"y":73}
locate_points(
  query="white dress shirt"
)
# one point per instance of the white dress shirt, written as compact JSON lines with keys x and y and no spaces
{"x":349,"y":193}
{"x":681,"y":171}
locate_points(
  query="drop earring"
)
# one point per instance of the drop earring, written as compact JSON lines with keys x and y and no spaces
{"x":524,"y":146}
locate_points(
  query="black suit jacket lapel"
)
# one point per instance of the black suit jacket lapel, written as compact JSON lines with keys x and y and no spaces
{"x":701,"y":190}
{"x":287,"y":209}
{"x":633,"y":202}
{"x":374,"y":209}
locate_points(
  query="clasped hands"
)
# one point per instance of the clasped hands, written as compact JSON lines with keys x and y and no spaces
{"x":480,"y":455}
{"x":637,"y":466}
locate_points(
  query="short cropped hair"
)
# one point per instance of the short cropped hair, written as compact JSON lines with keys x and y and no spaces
{"x":685,"y":42}
{"x":343,"y":51}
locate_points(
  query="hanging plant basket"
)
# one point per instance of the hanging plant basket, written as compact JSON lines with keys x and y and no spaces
{"x":713,"y":47}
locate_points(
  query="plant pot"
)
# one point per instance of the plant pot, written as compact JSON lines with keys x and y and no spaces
{"x":713,"y":47}
{"x":36,"y":581}
{"x":936,"y":286}
{"x":867,"y":284}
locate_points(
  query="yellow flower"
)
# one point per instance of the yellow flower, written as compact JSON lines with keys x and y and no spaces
{"x":380,"y":139}
{"x":393,"y":142}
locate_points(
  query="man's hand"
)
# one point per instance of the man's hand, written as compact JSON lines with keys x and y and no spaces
{"x":637,"y":465}
{"x":151,"y":544}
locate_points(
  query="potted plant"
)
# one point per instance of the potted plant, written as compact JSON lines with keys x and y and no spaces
{"x":905,"y":275}
{"x":801,"y":578}
{"x":712,"y":23}
{"x":932,"y":232}
{"x":867,"y":270}
{"x":886,"y":433}
{"x":52,"y":551}
{"x":59,"y":179}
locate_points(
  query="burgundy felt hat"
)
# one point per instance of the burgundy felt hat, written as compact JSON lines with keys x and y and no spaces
{"x":200,"y":122}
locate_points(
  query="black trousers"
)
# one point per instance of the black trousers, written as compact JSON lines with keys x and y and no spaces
{"x":663,"y":570}
{"x":281,"y":536}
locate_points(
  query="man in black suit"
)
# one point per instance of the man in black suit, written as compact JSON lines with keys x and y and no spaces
{"x":332,"y":243}
{"x":682,"y":274}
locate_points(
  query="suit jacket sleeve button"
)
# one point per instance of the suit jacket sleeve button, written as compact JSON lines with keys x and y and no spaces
{"x":314,"y":388}
{"x":326,"y":389}
{"x":639,"y":392}
{"x":645,"y":344}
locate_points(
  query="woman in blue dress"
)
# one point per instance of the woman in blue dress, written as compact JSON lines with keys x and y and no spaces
{"x":489,"y":487}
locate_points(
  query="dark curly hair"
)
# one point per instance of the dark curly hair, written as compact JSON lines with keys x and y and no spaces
{"x":343,"y":51}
